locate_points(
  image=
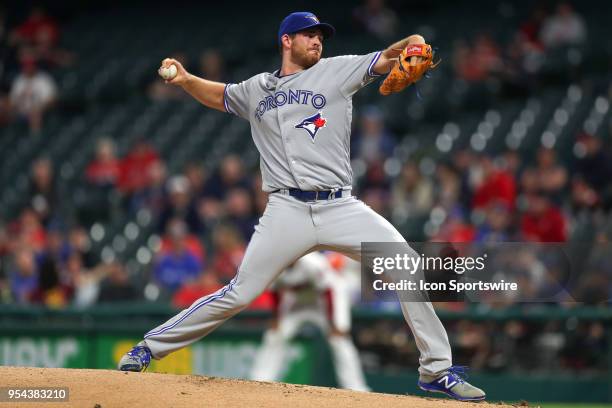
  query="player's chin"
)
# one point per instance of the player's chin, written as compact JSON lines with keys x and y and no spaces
{"x":311,"y":58}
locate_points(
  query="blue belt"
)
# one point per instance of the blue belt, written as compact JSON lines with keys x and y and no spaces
{"x":311,"y":195}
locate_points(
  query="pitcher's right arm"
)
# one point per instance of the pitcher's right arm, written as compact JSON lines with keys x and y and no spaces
{"x":208,"y":93}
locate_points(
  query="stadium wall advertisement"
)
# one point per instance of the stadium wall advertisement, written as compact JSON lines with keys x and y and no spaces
{"x":225,"y":357}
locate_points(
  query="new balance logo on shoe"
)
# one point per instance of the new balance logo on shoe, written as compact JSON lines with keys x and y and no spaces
{"x":448,"y":381}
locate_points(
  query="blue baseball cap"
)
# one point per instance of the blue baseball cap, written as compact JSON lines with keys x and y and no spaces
{"x":303,"y":20}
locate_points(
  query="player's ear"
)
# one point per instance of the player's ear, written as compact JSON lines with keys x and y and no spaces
{"x":286,"y":41}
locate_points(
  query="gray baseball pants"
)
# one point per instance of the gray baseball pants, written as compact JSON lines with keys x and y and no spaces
{"x":289,"y":229}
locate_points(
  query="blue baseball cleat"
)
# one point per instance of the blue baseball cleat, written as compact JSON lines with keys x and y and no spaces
{"x":451,"y":383}
{"x":137,"y":359}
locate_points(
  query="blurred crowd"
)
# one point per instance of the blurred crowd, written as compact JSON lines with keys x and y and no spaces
{"x":29,"y":50}
{"x":475,"y":196}
{"x":543,"y":32}
{"x":203,"y":220}
{"x":205,"y":215}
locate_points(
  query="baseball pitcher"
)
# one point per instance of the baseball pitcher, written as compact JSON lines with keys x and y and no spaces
{"x":300,"y":118}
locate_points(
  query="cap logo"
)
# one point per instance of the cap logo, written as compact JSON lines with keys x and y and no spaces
{"x":314,"y":18}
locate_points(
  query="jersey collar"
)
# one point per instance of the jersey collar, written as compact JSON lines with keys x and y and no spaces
{"x":279,"y":76}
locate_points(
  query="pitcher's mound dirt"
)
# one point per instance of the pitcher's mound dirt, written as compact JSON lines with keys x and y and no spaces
{"x":106,"y":389}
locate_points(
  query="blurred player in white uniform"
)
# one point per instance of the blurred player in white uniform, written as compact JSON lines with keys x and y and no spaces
{"x":311,"y":291}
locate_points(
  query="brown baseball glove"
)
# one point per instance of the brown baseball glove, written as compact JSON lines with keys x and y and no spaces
{"x":413,"y":62}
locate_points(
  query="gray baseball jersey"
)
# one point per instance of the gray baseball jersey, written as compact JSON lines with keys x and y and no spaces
{"x":301,"y":123}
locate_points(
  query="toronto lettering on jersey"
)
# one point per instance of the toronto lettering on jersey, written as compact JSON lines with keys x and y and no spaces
{"x":280,"y":98}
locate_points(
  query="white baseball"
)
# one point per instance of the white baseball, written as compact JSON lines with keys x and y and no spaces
{"x":168,"y":73}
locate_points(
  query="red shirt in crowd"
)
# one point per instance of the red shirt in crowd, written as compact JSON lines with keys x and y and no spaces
{"x":135,"y":169}
{"x":455,"y":231}
{"x":226,"y":262}
{"x":30,"y":234}
{"x":191,"y":292}
{"x":547,"y":227}
{"x":498,"y":187}
{"x":37,"y":26}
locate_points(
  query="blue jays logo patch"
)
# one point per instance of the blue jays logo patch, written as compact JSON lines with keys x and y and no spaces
{"x":312,"y":124}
